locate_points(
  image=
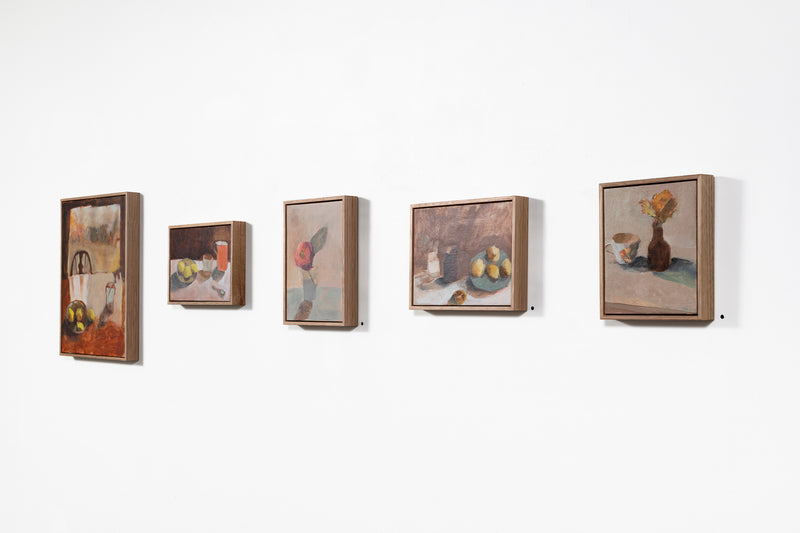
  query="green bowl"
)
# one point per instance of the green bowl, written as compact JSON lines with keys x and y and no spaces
{"x":485,"y":283}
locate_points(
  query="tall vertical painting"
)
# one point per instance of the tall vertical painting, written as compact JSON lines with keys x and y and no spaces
{"x":207,"y":264}
{"x":657,"y":249}
{"x":99,"y":311}
{"x":321,"y":261}
{"x":470,"y":255}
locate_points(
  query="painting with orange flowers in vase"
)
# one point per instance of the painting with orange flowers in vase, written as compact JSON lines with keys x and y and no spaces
{"x":650,"y":248}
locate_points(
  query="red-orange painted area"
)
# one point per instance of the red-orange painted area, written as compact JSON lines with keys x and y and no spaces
{"x":108,"y":340}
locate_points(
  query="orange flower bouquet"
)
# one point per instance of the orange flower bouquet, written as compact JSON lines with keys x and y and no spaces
{"x":661,"y":208}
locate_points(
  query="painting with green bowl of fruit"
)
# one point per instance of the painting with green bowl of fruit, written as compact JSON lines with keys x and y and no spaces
{"x":469,"y":254}
{"x":202,"y":264}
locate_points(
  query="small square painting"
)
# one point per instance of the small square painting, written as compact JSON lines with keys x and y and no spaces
{"x":206,"y":263}
{"x":651,"y":237}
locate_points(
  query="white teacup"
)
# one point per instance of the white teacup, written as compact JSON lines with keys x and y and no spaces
{"x":624,"y":247}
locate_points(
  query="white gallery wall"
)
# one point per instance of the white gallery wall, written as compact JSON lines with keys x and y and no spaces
{"x":547,"y":421}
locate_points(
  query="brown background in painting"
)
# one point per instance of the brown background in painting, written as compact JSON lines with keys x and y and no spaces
{"x":472,"y":228}
{"x":194,"y":242}
{"x":66,"y":207}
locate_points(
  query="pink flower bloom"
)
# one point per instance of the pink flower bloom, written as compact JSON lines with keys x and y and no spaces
{"x":304,"y":255}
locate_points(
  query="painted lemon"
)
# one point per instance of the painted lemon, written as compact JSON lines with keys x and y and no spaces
{"x":79,"y":326}
{"x":70,"y":315}
{"x":493,"y":272}
{"x":493,"y":254}
{"x":505,"y":267}
{"x":478,"y":268}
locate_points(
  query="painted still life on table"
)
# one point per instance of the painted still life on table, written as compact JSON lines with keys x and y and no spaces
{"x":463,"y":254}
{"x":96,"y":276}
{"x":650,"y":247}
{"x":203,"y":268}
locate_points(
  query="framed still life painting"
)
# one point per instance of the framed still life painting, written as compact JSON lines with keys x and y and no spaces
{"x":207,"y":264}
{"x":470,"y":255}
{"x":99,"y":311}
{"x":657,"y":249}
{"x":320,"y":276}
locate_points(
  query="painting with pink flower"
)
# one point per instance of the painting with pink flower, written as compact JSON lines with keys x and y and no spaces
{"x":315,"y":261}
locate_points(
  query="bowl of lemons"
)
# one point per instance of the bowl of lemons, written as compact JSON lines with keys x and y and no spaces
{"x":78,"y":317}
{"x":187,"y":271}
{"x":490,"y":270}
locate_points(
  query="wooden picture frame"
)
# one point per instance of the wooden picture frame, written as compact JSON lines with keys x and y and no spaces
{"x":207,"y":264}
{"x":656,"y":282}
{"x":320,"y":274}
{"x":99,"y":304}
{"x":450,"y":240}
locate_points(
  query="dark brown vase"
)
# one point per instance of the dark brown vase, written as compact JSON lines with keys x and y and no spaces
{"x":658,"y":251}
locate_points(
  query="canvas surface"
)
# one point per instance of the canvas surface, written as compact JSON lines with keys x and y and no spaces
{"x":201,"y":264}
{"x":314,"y":262}
{"x":632,"y":284}
{"x":93,"y":284}
{"x":448,"y":241}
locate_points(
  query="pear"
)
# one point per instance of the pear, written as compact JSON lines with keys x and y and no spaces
{"x":91,"y":315}
{"x":493,"y":272}
{"x":505,"y":267}
{"x":79,"y":315}
{"x":478,"y":267}
{"x":493,"y":254}
{"x":79,"y":326}
{"x":70,"y":315}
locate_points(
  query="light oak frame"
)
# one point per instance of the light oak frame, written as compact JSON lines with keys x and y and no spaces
{"x":705,"y":249}
{"x":238,"y":259}
{"x":519,"y":259}
{"x":349,"y":214}
{"x":132,"y":240}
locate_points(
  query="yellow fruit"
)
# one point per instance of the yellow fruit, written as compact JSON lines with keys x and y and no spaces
{"x":493,"y":254}
{"x":194,"y":268}
{"x":79,"y":315}
{"x":70,"y":315}
{"x":505,"y":267}
{"x":90,"y":313}
{"x":493,"y":272}
{"x":79,"y":326}
{"x":460,"y":297}
{"x":478,"y":268}
{"x":181,"y":267}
